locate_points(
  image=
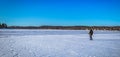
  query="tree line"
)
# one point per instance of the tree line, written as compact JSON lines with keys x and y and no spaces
{"x":3,"y":25}
{"x":67,"y":27}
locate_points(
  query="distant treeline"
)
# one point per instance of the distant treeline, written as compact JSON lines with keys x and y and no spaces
{"x":3,"y":25}
{"x":67,"y":27}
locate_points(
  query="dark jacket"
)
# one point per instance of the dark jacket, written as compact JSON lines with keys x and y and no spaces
{"x":91,"y":32}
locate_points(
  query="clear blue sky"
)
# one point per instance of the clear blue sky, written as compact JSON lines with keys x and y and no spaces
{"x":60,"y":12}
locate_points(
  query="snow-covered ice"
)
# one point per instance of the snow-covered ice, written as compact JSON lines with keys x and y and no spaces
{"x":58,"y":43}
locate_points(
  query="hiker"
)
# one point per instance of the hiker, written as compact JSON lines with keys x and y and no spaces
{"x":91,"y":33}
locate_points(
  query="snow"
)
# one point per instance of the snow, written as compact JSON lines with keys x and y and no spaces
{"x":58,"y":43}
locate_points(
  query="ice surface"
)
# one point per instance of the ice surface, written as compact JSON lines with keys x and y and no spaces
{"x":58,"y":43}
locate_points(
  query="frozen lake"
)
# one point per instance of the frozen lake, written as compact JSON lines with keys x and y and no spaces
{"x":58,"y":43}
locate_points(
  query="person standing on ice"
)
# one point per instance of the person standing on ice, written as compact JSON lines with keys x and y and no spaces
{"x":90,"y":34}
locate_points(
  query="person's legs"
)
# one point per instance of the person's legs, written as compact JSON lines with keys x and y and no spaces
{"x":91,"y":37}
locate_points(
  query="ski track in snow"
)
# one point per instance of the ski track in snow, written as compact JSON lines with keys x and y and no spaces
{"x":58,"y":43}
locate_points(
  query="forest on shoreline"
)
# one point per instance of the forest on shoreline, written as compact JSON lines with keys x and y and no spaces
{"x":67,"y":27}
{"x":4,"y":26}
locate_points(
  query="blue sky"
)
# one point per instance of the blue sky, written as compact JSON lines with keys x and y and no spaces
{"x":60,"y":12}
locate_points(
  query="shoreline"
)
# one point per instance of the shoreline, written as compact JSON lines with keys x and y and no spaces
{"x":66,"y":27}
